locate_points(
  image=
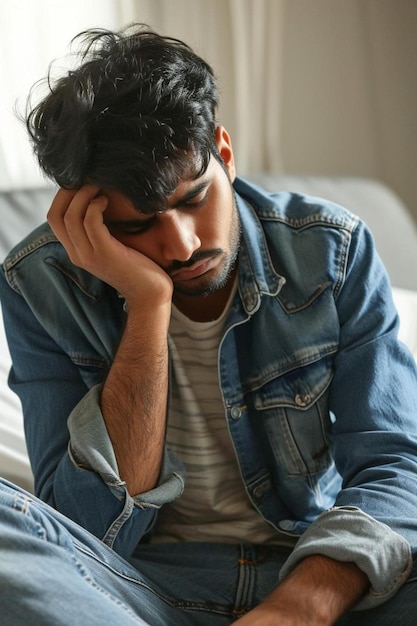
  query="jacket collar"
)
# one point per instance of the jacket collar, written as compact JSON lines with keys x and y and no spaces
{"x":257,"y":274}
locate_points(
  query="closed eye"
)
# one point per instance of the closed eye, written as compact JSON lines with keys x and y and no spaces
{"x":194,"y":197}
{"x":197,"y":200}
{"x":130,"y":227}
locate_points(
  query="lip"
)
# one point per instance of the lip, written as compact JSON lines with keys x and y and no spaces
{"x":196,"y":270}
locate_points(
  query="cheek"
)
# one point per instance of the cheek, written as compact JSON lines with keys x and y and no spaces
{"x":213,"y":231}
{"x":230,"y":228}
{"x":222,"y":219}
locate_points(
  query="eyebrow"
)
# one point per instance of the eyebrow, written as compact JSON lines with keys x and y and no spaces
{"x":192,"y":193}
{"x":186,"y":197}
{"x":128,"y":223}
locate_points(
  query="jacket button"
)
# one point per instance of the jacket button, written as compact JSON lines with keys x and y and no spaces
{"x":286,"y":524}
{"x":235,"y":412}
{"x":260,"y":490}
{"x":302,"y":400}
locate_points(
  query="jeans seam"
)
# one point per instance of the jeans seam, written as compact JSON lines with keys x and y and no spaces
{"x":246,"y":580}
{"x":21,"y":503}
{"x":180,"y":604}
{"x":88,"y":579}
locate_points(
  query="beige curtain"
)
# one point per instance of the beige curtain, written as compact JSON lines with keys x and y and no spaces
{"x":349,"y":91}
{"x":392,"y":46}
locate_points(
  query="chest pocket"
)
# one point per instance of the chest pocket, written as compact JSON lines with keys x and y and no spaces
{"x":295,"y":418}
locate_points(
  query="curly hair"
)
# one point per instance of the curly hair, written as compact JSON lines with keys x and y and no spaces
{"x":136,"y":115}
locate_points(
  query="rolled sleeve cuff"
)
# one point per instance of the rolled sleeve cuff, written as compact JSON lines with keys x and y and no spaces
{"x":90,"y":448}
{"x":348,"y":534}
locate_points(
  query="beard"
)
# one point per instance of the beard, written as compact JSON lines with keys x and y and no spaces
{"x":208,"y":285}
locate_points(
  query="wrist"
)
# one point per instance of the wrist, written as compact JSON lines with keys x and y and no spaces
{"x":143,"y":314}
{"x":318,"y":592}
{"x":147,"y":305}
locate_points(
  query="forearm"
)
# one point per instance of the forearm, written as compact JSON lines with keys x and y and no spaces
{"x":134,"y":399}
{"x":316,"y":593}
{"x":134,"y":396}
{"x":323,"y":589}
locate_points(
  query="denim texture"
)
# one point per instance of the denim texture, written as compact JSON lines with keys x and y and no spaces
{"x":320,"y":398}
{"x":55,"y":573}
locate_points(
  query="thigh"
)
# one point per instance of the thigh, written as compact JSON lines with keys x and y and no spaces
{"x":54,"y":573}
{"x":43,"y":581}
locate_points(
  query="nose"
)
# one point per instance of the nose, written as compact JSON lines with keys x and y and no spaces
{"x":177,"y":236}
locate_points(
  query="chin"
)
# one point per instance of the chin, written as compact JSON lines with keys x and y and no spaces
{"x":206,"y":287}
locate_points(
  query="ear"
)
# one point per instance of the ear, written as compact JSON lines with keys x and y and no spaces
{"x":224,"y":145}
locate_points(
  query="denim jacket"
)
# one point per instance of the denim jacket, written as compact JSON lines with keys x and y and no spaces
{"x":320,"y":398}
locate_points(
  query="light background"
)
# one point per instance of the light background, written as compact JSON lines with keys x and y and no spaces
{"x":320,"y":87}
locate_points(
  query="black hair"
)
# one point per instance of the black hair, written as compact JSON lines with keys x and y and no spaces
{"x":137,"y":115}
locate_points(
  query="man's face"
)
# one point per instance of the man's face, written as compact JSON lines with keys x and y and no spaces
{"x":195,"y":239}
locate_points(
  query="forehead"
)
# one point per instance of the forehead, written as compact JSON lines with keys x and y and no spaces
{"x":121,"y":207}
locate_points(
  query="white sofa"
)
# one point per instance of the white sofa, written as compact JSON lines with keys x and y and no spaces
{"x":394,"y":230}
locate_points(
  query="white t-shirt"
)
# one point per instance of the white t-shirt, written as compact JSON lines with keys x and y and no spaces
{"x":214,"y":505}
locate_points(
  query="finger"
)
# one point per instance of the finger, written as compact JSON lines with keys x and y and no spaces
{"x":57,"y":210}
{"x":64,"y":197}
{"x":92,"y":228}
{"x":85,"y":230}
{"x":94,"y":225}
{"x":66,"y":217}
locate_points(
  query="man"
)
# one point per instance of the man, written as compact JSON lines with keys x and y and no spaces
{"x":210,"y":376}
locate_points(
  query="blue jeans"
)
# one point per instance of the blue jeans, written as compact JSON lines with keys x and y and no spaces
{"x":54,"y":573}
